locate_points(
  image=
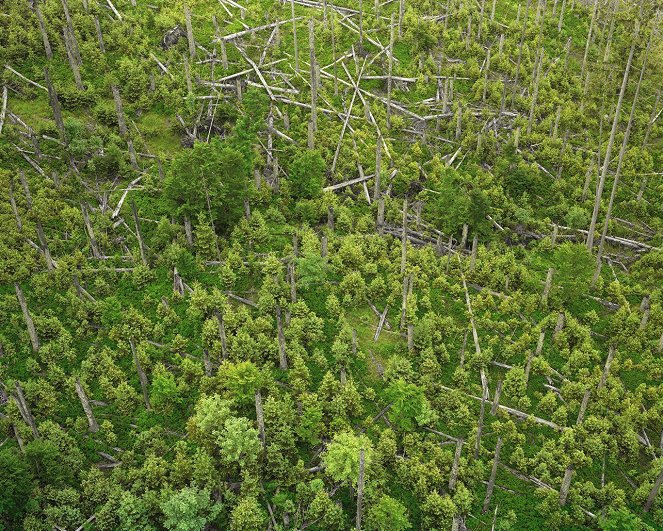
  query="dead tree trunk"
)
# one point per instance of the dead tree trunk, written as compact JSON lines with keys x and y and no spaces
{"x":653,"y":492}
{"x":73,"y":63}
{"x":260,"y":417}
{"x":645,"y":308}
{"x":620,"y":160}
{"x":55,"y":105}
{"x":390,"y":70}
{"x":141,"y":376}
{"x":546,"y":288}
{"x":50,"y":263}
{"x":139,"y":236}
{"x":453,"y":478}
{"x":24,"y":410}
{"x":589,"y":39}
{"x":42,"y":30}
{"x":121,"y":122}
{"x":493,"y":474}
{"x":611,"y":141}
{"x":94,"y":427}
{"x":189,"y":32}
{"x":222,"y":333}
{"x":520,"y":52}
{"x":378,"y":168}
{"x":566,"y":485}
{"x":294,"y":35}
{"x":360,"y":490}
{"x":314,"y":84}
{"x":32,"y":331}
{"x":404,"y":238}
{"x":90,"y":232}
{"x":283,"y":360}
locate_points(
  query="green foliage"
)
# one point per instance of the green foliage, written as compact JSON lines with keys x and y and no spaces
{"x":189,"y":509}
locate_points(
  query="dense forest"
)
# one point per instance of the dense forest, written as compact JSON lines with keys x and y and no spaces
{"x":331,"y":264}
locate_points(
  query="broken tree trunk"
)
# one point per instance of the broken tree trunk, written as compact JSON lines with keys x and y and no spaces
{"x":611,"y":141}
{"x":360,"y":490}
{"x":653,"y":492}
{"x":139,"y":236}
{"x":24,"y":410}
{"x":42,"y":30}
{"x":283,"y":360}
{"x":546,"y":288}
{"x":90,"y":232}
{"x":260,"y":417}
{"x":141,"y":375}
{"x":189,"y":32}
{"x":92,"y":421}
{"x":493,"y":474}
{"x":32,"y":331}
{"x":453,"y":478}
{"x":121,"y":122}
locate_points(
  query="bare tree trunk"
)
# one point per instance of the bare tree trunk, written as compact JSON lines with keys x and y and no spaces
{"x":653,"y":492}
{"x":473,"y":256}
{"x":50,"y":263}
{"x":55,"y":105}
{"x":611,"y":141}
{"x":32,"y":331}
{"x":561,"y":16}
{"x":520,"y":52}
{"x":42,"y":30}
{"x":294,"y":35}
{"x":260,"y":417}
{"x":401,"y":12}
{"x":589,"y":38}
{"x":496,"y":398}
{"x":94,"y":427}
{"x":404,"y":238}
{"x":24,"y":410}
{"x":380,"y":221}
{"x":482,"y":411}
{"x":189,"y":32}
{"x":283,"y":360}
{"x":453,"y":478}
{"x":561,"y":319}
{"x":188,"y":231}
{"x":390,"y":71}
{"x":314,"y":82}
{"x":12,"y":201}
{"x":119,"y":111}
{"x":620,"y":160}
{"x":566,"y":485}
{"x":100,"y":35}
{"x":493,"y":474}
{"x":139,"y":236}
{"x":606,"y":368}
{"x":546,"y":289}
{"x":90,"y":232}
{"x":141,"y":376}
{"x":360,"y":490}
{"x":645,"y":308}
{"x":73,"y":64}
{"x":378,"y":168}
{"x":222,"y":333}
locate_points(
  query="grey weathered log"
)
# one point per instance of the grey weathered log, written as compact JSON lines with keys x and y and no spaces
{"x":294,"y":35}
{"x":139,"y":235}
{"x":55,"y":105}
{"x":260,"y":416}
{"x":87,"y":407}
{"x":283,"y":360}
{"x":119,"y":111}
{"x":141,"y":375}
{"x":548,"y":285}
{"x":493,"y":474}
{"x":453,"y":478}
{"x":24,"y":409}
{"x":50,"y":263}
{"x":32,"y":331}
{"x":615,"y":123}
{"x":360,"y":490}
{"x":653,"y":492}
{"x":189,"y":32}
{"x":96,"y":253}
{"x":42,"y":30}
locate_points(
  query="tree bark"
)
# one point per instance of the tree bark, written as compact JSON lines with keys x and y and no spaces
{"x":42,"y":30}
{"x":611,"y":141}
{"x":493,"y":474}
{"x":139,"y":236}
{"x":453,"y":478}
{"x":90,"y":232}
{"x":92,"y":421}
{"x":360,"y":490}
{"x":141,"y":376}
{"x":32,"y":331}
{"x":260,"y":417}
{"x":283,"y":360}
{"x":24,"y":410}
{"x":653,"y":492}
{"x":189,"y":32}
